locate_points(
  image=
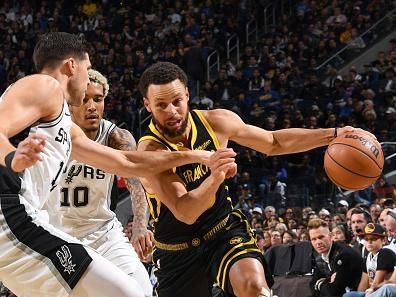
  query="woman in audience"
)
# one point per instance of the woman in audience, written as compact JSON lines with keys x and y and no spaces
{"x":340,"y":232}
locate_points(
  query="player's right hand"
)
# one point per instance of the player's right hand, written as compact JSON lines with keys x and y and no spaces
{"x":28,"y":152}
{"x":142,"y":240}
{"x":222,"y":163}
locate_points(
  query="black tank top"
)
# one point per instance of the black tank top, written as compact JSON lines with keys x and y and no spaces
{"x":167,"y":228}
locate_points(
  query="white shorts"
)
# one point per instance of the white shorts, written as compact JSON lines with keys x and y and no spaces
{"x":115,"y":247}
{"x":38,"y":260}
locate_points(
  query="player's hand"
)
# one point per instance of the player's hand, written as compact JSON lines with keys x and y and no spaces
{"x":203,"y":157}
{"x":348,"y":129}
{"x":222,"y":164}
{"x":221,"y":157}
{"x":28,"y":152}
{"x":142,"y":241}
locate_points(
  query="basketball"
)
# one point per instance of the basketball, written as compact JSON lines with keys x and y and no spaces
{"x":354,"y":160}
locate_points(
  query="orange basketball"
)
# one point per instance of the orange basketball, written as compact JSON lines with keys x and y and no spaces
{"x":354,"y":161}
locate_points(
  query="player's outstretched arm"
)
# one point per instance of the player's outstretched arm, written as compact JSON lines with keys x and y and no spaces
{"x":142,"y":238}
{"x":229,"y":125}
{"x":29,"y":100}
{"x":130,"y":163}
{"x":185,"y":205}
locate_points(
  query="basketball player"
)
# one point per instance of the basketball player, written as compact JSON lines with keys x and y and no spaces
{"x":38,"y":260}
{"x":82,"y":206}
{"x":199,"y":238}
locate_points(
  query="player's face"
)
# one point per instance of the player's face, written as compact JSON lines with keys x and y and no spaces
{"x":89,"y":114}
{"x":320,"y":239}
{"x":168,"y":104}
{"x":79,"y":81}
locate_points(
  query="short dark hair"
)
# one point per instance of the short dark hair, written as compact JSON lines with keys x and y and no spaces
{"x":159,"y":74}
{"x":56,"y":46}
{"x":364,"y":212}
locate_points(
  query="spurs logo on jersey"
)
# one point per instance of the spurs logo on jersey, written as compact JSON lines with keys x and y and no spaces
{"x":84,"y":204}
{"x":73,"y":171}
{"x":85,"y":170}
{"x":65,"y":258}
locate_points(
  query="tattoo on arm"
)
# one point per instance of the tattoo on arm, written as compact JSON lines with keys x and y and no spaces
{"x":139,"y":203}
{"x":122,"y":139}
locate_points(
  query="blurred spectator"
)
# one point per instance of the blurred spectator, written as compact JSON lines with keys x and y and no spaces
{"x":342,"y":206}
{"x":194,"y":65}
{"x":390,"y":223}
{"x":264,"y":241}
{"x":303,"y":236}
{"x":89,"y":8}
{"x":382,"y":189}
{"x":340,"y":232}
{"x":375,"y":211}
{"x":382,"y":217}
{"x":359,"y":219}
{"x":271,"y":218}
{"x":276,"y":238}
{"x":338,"y":218}
{"x":289,"y":237}
{"x":245,"y":200}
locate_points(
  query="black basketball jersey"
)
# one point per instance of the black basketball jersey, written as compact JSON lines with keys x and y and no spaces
{"x":167,"y":227}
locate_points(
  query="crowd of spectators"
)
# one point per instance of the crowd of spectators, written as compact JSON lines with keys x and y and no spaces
{"x":274,"y":85}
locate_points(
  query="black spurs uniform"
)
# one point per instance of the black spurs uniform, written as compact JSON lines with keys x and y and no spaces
{"x":189,"y":259}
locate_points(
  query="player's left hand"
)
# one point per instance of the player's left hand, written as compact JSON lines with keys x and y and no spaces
{"x":142,"y":240}
{"x":346,"y":129}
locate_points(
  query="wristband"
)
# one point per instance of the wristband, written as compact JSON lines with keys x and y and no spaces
{"x":335,"y":132}
{"x":8,"y":159}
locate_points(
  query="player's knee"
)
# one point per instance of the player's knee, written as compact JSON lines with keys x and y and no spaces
{"x":251,"y":287}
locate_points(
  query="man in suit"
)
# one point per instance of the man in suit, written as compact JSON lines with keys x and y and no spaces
{"x":336,"y":266}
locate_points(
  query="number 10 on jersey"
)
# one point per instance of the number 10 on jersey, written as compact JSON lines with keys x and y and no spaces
{"x":79,"y":196}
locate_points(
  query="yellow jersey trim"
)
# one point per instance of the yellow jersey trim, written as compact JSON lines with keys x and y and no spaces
{"x":208,"y":128}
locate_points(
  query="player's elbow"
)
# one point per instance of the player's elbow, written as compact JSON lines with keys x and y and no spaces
{"x":184,"y":215}
{"x":275,"y":148}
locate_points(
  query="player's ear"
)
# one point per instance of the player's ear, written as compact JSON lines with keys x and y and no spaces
{"x":70,"y":66}
{"x":146,"y":104}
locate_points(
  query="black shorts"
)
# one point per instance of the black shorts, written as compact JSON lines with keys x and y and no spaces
{"x":193,"y":271}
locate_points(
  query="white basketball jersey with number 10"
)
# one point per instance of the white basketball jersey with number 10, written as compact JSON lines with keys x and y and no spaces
{"x":83,"y":200}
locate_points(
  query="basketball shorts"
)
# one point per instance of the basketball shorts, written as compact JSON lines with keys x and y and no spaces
{"x":115,"y":247}
{"x":36,"y":258}
{"x":192,"y":271}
